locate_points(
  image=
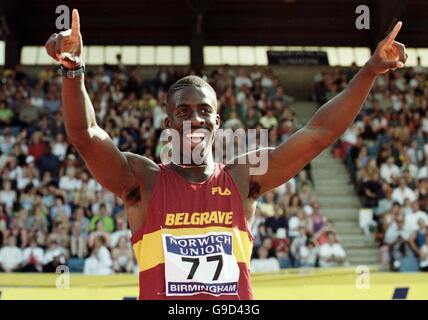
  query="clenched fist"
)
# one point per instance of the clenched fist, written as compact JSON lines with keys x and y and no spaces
{"x":66,"y":46}
{"x":389,"y":54}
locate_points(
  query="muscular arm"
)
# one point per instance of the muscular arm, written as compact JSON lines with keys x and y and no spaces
{"x":331,"y":120}
{"x":107,"y":164}
{"x":118,"y":172}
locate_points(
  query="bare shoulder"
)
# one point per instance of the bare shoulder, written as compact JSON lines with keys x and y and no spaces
{"x":140,"y":165}
{"x":244,"y":167}
{"x":145,"y":172}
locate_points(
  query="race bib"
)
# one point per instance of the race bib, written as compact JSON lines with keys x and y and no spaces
{"x":200,"y":264}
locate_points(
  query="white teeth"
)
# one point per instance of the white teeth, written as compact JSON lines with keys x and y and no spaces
{"x":195,"y":135}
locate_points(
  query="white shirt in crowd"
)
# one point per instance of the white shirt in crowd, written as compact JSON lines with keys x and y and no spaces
{"x":350,"y":135}
{"x":425,"y":125}
{"x":115,"y":236}
{"x":393,"y":232}
{"x":50,"y":254}
{"x":6,"y":144}
{"x":423,"y":172}
{"x":387,"y":171}
{"x":60,"y":150}
{"x":159,"y":115}
{"x":242,"y":80}
{"x":69,"y":184}
{"x":400,"y":194}
{"x":327,"y":250}
{"x":264,"y":265}
{"x":308,"y":256}
{"x":411,"y":220}
{"x":37,"y":254}
{"x":8,"y":197}
{"x":293,"y":226}
{"x":37,"y":101}
{"x":424,"y":263}
{"x":99,"y":264}
{"x":10,"y":257}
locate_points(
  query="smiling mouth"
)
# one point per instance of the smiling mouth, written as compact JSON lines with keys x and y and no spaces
{"x":195,"y":137}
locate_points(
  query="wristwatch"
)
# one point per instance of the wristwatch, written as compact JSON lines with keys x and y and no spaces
{"x":71,"y":74}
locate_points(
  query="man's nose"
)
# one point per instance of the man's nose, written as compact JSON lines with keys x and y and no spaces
{"x":196,"y":119}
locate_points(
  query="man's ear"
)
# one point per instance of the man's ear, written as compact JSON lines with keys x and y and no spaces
{"x":217,"y":121}
{"x":167,"y":123}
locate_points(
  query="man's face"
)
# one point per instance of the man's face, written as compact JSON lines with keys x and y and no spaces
{"x":198,"y":106}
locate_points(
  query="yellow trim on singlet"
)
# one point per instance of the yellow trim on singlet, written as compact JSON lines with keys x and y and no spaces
{"x":149,"y":250}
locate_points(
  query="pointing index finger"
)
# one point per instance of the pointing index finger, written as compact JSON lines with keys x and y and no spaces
{"x":391,"y":37}
{"x":75,"y":22}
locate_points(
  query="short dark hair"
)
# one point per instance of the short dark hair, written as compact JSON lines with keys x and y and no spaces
{"x":189,"y":81}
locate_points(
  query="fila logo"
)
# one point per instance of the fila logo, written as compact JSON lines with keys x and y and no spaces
{"x":220,"y":191}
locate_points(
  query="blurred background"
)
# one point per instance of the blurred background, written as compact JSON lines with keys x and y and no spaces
{"x":362,"y":202}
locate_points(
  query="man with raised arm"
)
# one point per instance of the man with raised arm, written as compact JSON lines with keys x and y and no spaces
{"x":190,"y":223}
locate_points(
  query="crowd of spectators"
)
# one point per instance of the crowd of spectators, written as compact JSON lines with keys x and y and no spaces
{"x":386,"y":152}
{"x":52,"y":212}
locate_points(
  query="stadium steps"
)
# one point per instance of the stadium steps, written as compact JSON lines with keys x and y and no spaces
{"x":337,"y":199}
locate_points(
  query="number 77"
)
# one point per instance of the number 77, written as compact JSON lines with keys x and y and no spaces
{"x":195,"y":264}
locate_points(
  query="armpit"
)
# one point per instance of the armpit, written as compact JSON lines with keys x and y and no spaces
{"x":254,"y":190}
{"x":134,"y":195}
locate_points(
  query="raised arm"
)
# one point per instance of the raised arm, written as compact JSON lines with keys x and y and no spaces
{"x":332,"y":119}
{"x":110,"y":167}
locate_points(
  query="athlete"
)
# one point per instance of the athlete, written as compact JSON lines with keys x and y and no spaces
{"x":190,"y":223}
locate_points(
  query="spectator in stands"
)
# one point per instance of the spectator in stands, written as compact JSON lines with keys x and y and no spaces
{"x":332,"y":253}
{"x":317,"y":220}
{"x":69,"y":182}
{"x":397,"y":237}
{"x":295,"y":205}
{"x":7,"y":141}
{"x":308,"y":255}
{"x":29,"y":114}
{"x":49,"y":162}
{"x":123,"y":260}
{"x":418,"y":237}
{"x":263,"y":263}
{"x":260,"y":235}
{"x":389,"y":170}
{"x":322,"y":236}
{"x":97,"y":233}
{"x":268,"y":121}
{"x":372,"y":190}
{"x":99,"y":262}
{"x":411,"y":219}
{"x":6,"y":114}
{"x":403,"y":192}
{"x":423,"y":256}
{"x":32,"y":257}
{"x":38,"y":221}
{"x":37,"y":147}
{"x":278,"y":220}
{"x":8,"y":196}
{"x":122,"y":230}
{"x":267,"y":207}
{"x":60,"y":208}
{"x":104,"y":216}
{"x":78,"y":246}
{"x":299,"y":241}
{"x":10,"y":256}
{"x":79,"y":216}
